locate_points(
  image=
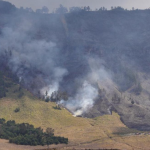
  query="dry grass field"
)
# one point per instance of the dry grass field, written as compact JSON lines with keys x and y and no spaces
{"x":102,"y":132}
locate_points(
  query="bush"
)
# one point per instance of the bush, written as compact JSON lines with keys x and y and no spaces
{"x":17,"y":110}
{"x":57,"y":107}
{"x":2,"y":121}
{"x":47,"y":99}
{"x":132,"y":102}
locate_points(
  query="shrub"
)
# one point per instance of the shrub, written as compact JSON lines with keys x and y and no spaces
{"x":17,"y":110}
{"x":132,"y":102}
{"x":47,"y":99}
{"x":2,"y":121}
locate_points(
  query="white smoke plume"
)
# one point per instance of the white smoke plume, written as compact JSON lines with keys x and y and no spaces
{"x":58,"y":73}
{"x":83,"y":100}
{"x":100,"y":75}
{"x":87,"y":94}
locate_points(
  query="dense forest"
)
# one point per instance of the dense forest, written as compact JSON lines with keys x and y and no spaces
{"x":26,"y":134}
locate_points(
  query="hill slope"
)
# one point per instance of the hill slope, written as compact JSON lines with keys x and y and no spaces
{"x":101,"y":132}
{"x":102,"y":53}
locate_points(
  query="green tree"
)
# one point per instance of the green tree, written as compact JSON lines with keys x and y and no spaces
{"x":50,"y":131}
{"x":2,"y":121}
{"x":17,"y":110}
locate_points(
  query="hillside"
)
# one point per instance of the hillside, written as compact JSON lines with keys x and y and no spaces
{"x":101,"y":132}
{"x":93,"y":63}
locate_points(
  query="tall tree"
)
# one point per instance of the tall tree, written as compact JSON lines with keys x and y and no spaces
{"x":45,"y":9}
{"x":88,"y":8}
{"x":61,"y":9}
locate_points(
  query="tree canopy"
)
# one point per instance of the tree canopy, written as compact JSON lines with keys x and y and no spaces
{"x":26,"y":134}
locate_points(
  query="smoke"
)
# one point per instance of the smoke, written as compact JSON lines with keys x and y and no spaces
{"x":83,"y":100}
{"x":45,"y":59}
{"x":100,"y":65}
{"x":54,"y":86}
{"x":100,"y":74}
{"x":36,"y":63}
{"x":87,"y":94}
{"x":31,"y":58}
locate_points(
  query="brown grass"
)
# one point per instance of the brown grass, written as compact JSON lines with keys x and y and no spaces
{"x":102,"y":132}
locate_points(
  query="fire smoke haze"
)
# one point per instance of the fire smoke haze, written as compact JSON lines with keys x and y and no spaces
{"x":51,"y":53}
{"x":45,"y":65}
{"x":98,"y":61}
{"x":53,"y":4}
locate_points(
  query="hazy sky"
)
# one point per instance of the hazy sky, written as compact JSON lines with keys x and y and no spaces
{"x":52,"y":4}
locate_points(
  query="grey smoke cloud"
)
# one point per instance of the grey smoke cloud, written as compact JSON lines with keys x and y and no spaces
{"x":28,"y":54}
{"x":100,"y":56}
{"x":53,"y":4}
{"x":83,"y":100}
{"x":87,"y":94}
{"x":38,"y":63}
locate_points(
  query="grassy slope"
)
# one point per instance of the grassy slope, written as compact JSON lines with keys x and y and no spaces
{"x":101,"y":132}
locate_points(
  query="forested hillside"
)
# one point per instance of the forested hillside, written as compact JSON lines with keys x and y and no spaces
{"x":90,"y":62}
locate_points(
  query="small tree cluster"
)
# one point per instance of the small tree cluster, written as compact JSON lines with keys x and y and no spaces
{"x":86,"y":8}
{"x":57,"y":107}
{"x":56,"y":96}
{"x":61,"y":9}
{"x":43,"y":10}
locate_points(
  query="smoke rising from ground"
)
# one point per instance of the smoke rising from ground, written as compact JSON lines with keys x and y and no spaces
{"x":26,"y":55}
{"x":98,"y":53}
{"x":83,"y":100}
{"x":45,"y":65}
{"x":88,"y":92}
{"x":43,"y":68}
{"x":96,"y":61}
